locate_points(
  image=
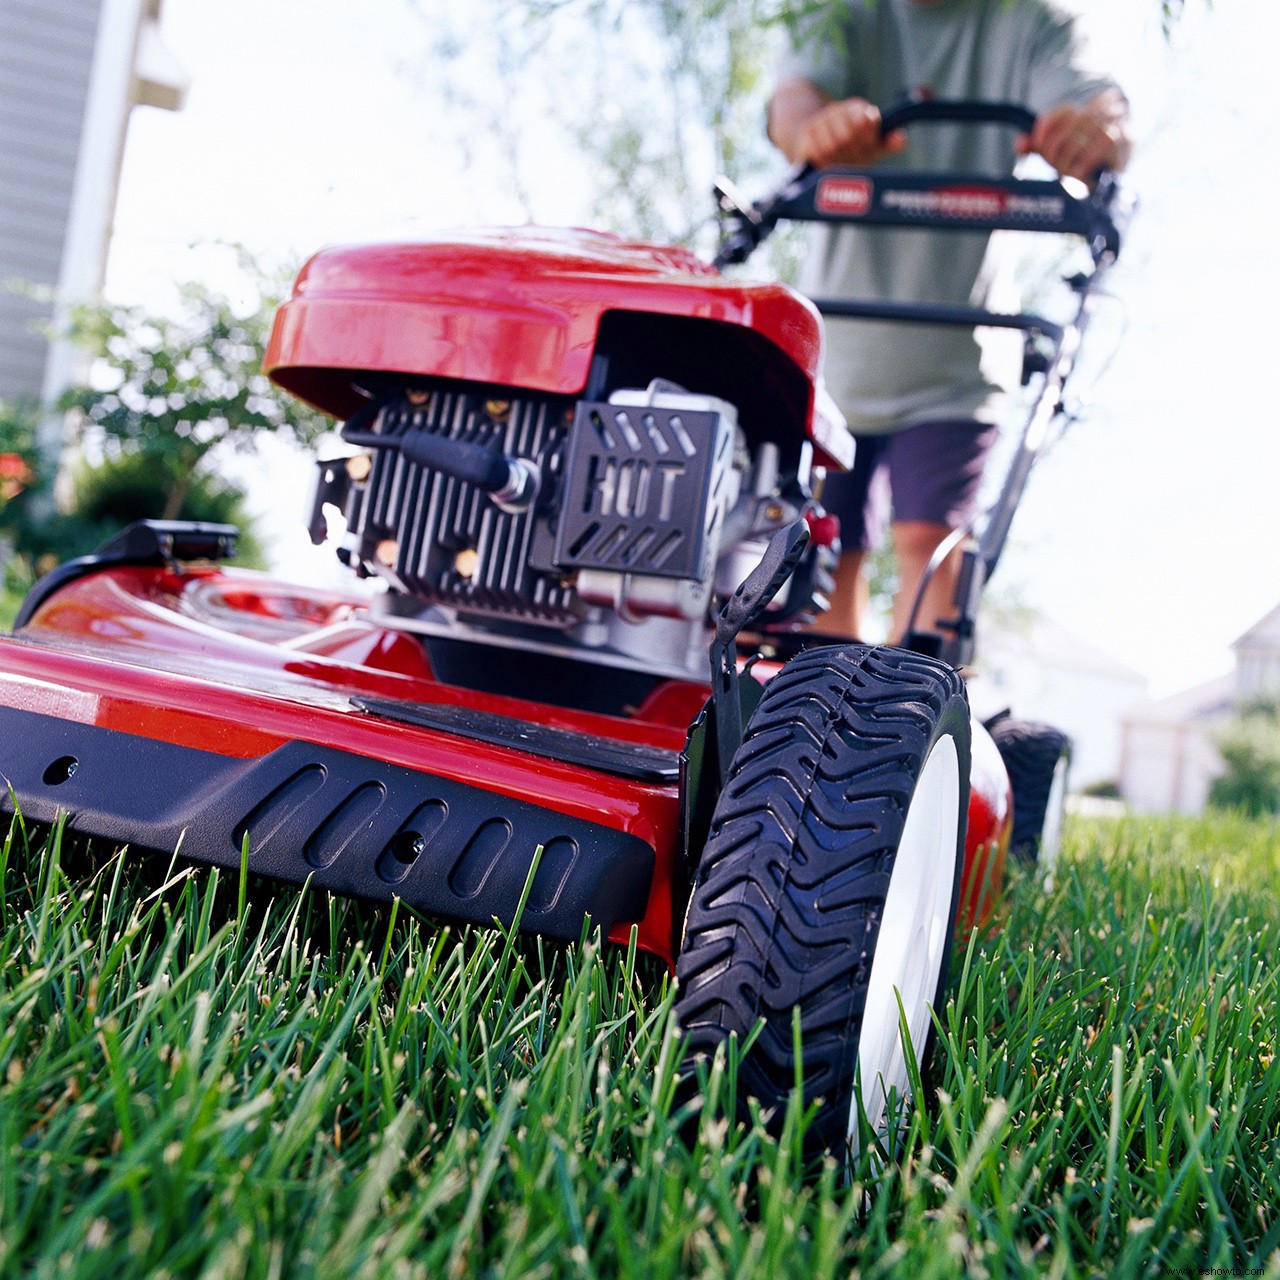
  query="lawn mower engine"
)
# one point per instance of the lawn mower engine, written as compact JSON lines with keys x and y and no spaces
{"x":602,"y":527}
{"x":597,"y":514}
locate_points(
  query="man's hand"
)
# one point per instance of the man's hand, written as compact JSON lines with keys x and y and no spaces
{"x":846,"y":132}
{"x":1078,"y":141}
{"x":809,"y":126}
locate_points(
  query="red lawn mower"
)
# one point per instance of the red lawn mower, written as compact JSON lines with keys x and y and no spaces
{"x":584,"y":471}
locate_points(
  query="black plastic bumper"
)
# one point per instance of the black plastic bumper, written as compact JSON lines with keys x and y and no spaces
{"x":351,"y":825}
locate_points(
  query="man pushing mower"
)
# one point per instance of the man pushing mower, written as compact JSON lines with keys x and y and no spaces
{"x":923,"y":411}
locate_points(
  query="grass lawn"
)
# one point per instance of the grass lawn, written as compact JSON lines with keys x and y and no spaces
{"x":208,"y":1078}
{"x":10,"y":602}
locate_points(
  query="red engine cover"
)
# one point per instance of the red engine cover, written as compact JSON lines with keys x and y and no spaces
{"x":516,"y":308}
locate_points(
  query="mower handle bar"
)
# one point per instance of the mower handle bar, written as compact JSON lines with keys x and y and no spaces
{"x":801,"y":194}
{"x":954,"y":202}
{"x":920,"y":110}
{"x":916,"y":109}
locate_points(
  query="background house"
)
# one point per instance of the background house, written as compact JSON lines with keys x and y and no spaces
{"x":1039,"y":670}
{"x":71,"y":71}
{"x":1168,"y":755}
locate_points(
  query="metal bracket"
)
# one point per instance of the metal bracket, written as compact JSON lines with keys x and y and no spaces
{"x":163,"y":543}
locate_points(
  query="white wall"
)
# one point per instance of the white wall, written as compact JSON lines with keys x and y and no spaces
{"x":1168,"y":768}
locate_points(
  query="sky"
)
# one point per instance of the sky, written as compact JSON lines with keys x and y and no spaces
{"x":1152,"y":531}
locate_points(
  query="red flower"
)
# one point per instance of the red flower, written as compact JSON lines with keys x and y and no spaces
{"x":15,"y":475}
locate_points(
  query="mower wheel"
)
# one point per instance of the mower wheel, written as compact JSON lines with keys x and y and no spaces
{"x":830,"y":884}
{"x":1038,"y":759}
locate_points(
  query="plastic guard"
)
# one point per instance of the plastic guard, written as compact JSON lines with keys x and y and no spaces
{"x":636,"y":489}
{"x":157,"y":542}
{"x":348,"y":824}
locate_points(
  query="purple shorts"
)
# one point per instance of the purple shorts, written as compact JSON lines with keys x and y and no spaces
{"x":930,"y":472}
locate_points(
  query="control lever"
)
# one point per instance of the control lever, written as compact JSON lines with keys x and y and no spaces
{"x":745,"y":607}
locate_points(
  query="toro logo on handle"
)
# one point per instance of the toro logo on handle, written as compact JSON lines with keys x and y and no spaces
{"x":845,"y":195}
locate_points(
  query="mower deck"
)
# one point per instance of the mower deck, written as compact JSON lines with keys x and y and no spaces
{"x":127,"y":702}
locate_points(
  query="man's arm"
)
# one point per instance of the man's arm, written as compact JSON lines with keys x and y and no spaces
{"x":1078,"y":141}
{"x":807,"y":125}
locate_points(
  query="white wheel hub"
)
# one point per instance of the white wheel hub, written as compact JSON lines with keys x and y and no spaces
{"x":914,"y":926}
{"x":1054,"y":809}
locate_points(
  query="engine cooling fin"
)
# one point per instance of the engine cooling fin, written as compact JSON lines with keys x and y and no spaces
{"x":444,"y":540}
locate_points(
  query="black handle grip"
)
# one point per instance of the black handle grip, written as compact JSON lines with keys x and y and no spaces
{"x":914,"y":111}
{"x":956,"y":111}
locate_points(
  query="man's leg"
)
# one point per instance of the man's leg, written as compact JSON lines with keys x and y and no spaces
{"x":850,"y":598}
{"x":860,"y":498}
{"x":935,"y":471}
{"x":914,"y":542}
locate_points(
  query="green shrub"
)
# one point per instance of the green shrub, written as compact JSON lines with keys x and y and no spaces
{"x":1250,"y":750}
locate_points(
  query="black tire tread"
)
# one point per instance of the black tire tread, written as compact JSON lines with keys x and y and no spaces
{"x":786,"y":908}
{"x":1030,"y":752}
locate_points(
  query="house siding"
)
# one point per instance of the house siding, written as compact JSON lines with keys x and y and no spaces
{"x":46,"y":55}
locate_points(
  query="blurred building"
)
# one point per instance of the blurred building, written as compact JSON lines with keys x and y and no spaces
{"x":1169,"y":756}
{"x":71,"y":71}
{"x":1039,"y":670}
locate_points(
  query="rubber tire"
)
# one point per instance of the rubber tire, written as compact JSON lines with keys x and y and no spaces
{"x":787,"y":904}
{"x":1036,"y":757}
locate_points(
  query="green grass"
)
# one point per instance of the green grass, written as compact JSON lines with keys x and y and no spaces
{"x":11,"y":597}
{"x":195,"y":1081}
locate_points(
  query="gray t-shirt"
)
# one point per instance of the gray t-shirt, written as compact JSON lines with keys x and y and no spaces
{"x":886,"y":376}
